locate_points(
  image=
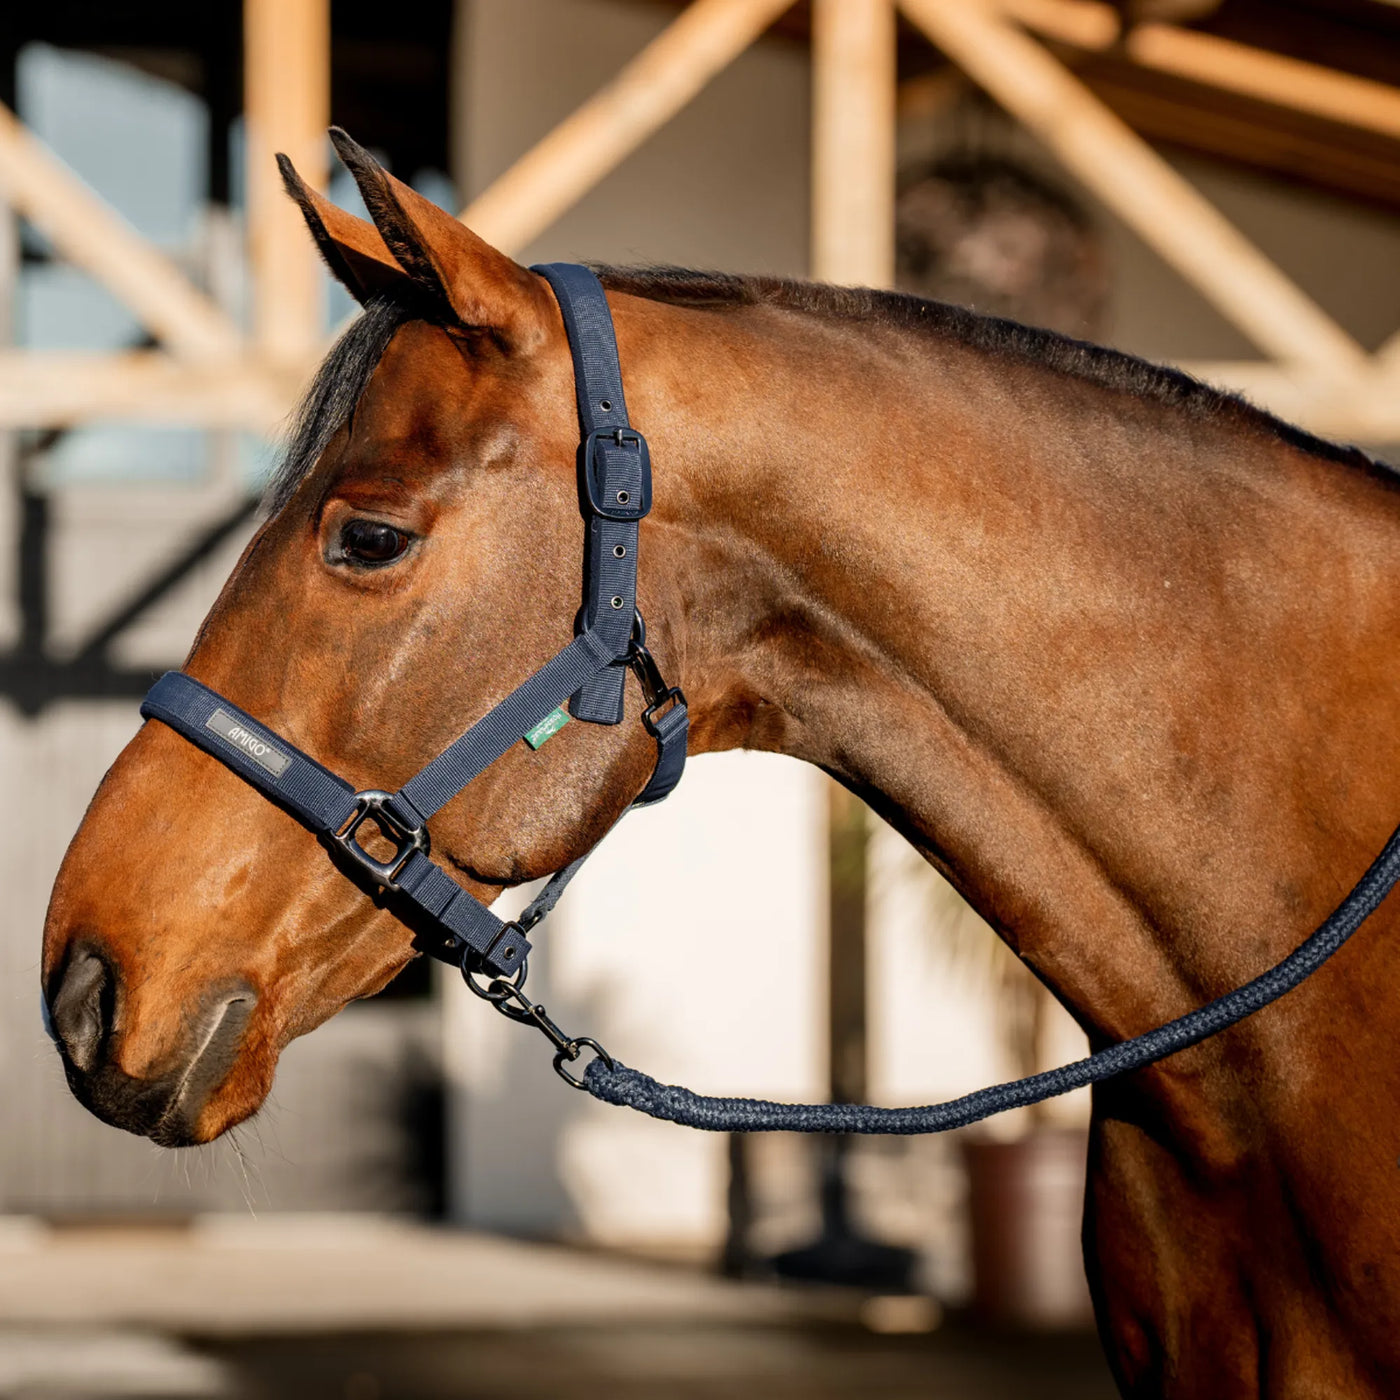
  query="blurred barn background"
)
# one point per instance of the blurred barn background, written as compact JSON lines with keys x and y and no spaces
{"x":1215,"y":183}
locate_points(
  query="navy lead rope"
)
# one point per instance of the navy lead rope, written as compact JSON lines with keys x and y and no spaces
{"x":615,"y":494}
{"x":619,"y":1085}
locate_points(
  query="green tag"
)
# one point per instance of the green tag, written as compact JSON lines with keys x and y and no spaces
{"x":547,"y":728}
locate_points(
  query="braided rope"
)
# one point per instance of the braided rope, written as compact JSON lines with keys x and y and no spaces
{"x":630,"y":1088}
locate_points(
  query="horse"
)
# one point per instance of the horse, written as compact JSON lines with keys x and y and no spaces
{"x":1111,"y":648}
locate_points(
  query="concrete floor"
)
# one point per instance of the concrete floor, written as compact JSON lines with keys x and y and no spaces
{"x":240,"y":1276}
{"x":621,"y":1361}
{"x":834,"y":1362}
{"x":353,"y":1309}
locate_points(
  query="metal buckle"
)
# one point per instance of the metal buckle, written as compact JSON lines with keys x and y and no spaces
{"x":370,"y":806}
{"x":613,"y":508}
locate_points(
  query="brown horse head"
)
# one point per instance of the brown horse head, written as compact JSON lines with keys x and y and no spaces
{"x":1114,"y":650}
{"x":422,"y":556}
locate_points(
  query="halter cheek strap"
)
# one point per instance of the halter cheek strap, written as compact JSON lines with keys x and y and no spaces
{"x":614,"y":472}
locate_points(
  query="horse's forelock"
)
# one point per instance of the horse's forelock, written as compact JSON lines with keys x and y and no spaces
{"x":332,"y":396}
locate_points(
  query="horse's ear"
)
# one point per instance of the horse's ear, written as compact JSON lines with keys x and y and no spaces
{"x":471,"y":283}
{"x":353,"y":250}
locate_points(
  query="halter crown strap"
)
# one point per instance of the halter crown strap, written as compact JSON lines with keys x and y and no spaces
{"x":614,"y":470}
{"x":614,"y":473}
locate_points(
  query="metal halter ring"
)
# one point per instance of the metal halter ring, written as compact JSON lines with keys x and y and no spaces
{"x":577,"y":1047}
{"x":371,"y":805}
{"x":509,"y":986}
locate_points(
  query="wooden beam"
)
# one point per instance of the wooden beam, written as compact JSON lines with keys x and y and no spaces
{"x":1387,"y":357}
{"x":1217,"y":62}
{"x":1271,"y":77}
{"x":1082,"y":24}
{"x":853,"y":141}
{"x":553,"y":176}
{"x":286,"y":65}
{"x":40,"y":389}
{"x":90,"y":234}
{"x":1163,"y":108}
{"x":1165,"y":209}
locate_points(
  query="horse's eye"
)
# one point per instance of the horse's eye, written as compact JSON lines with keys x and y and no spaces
{"x":371,"y":542}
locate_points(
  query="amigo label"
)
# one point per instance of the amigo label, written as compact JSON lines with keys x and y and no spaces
{"x":243,"y":739}
{"x":547,"y":728}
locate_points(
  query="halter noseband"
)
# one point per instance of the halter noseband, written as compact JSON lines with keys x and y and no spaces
{"x":614,"y":473}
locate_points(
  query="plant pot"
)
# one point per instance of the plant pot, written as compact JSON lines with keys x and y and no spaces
{"x":1026,"y":1201}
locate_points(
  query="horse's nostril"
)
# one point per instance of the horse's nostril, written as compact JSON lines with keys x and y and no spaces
{"x":82,"y":1006}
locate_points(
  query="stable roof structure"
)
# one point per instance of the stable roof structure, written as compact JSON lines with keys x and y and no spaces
{"x":1306,"y":89}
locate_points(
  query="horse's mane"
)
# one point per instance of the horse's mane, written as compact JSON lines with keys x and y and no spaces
{"x":993,"y":335}
{"x":346,"y":370}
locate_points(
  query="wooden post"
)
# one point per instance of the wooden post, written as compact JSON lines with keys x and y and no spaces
{"x":555,"y":174}
{"x":1165,"y":209}
{"x":848,"y":840}
{"x":286,"y":58}
{"x":853,"y":154}
{"x":853,"y":107}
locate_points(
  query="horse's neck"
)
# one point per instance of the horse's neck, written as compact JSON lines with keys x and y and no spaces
{"x":1107,"y":669}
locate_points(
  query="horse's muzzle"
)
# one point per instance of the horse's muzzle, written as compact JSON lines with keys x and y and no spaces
{"x":84,"y":1011}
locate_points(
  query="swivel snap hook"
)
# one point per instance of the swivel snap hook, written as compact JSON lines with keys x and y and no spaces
{"x":508,"y":997}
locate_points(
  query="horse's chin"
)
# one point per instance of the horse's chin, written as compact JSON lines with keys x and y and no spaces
{"x":219,"y":1073}
{"x":217,"y":1118}
{"x":161,"y":1111}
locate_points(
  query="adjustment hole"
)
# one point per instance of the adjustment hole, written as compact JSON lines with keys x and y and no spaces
{"x":617,"y":603}
{"x":619,"y":551}
{"x":508,"y":953}
{"x":605,"y":405}
{"x":623,"y":497}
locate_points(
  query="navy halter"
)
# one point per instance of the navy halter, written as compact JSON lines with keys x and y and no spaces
{"x":614,"y":473}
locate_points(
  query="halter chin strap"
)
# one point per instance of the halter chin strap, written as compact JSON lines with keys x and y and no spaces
{"x":614,"y":473}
